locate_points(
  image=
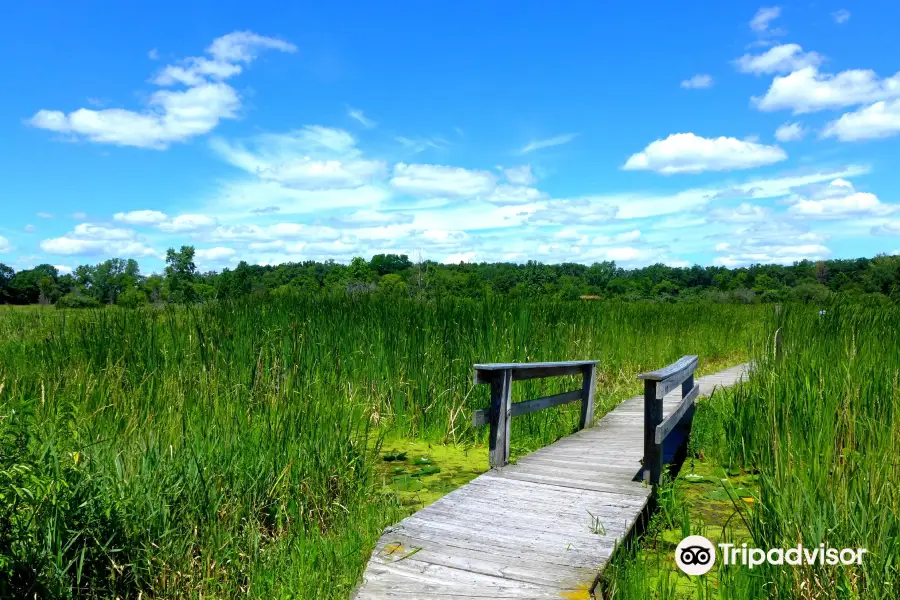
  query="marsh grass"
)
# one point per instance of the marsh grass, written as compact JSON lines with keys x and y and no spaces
{"x":229,"y":449}
{"x":821,"y":430}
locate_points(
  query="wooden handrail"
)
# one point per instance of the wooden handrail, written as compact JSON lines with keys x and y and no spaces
{"x":500,"y":377}
{"x":656,"y":385}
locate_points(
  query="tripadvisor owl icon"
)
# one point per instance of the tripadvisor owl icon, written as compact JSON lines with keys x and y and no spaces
{"x":695,"y":555}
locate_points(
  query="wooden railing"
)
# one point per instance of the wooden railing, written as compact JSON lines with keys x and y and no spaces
{"x":500,"y":377}
{"x":656,"y":385}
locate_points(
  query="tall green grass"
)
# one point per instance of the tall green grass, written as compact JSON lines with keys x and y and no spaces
{"x":228,"y":449}
{"x":821,"y":427}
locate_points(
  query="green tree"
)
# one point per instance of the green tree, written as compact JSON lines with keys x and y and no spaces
{"x":180,"y":275}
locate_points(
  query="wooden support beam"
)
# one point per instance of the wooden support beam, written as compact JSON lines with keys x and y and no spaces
{"x":501,"y":417}
{"x":483,"y":417}
{"x":653,"y":416}
{"x":588,"y":387}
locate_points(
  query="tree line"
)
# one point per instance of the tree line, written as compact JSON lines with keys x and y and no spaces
{"x":119,"y":281}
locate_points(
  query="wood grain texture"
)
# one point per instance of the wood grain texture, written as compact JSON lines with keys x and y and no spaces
{"x":542,"y":528}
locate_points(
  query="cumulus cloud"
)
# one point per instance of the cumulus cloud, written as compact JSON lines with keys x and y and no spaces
{"x":879,"y":120}
{"x":437,"y":180}
{"x":170,"y":116}
{"x":557,"y":140}
{"x":698,"y":82}
{"x":790,"y":132}
{"x":689,"y":153}
{"x":807,"y":90}
{"x":91,"y":239}
{"x":837,"y":200}
{"x":783,"y":58}
{"x":141,"y":217}
{"x":4,"y":244}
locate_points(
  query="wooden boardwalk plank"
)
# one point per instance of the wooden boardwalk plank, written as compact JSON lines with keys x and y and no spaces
{"x":538,"y":529}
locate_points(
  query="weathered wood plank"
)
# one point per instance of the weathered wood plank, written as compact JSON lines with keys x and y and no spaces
{"x":482,"y":417}
{"x":663,"y":429}
{"x":501,"y":415}
{"x":526,"y":530}
{"x":588,"y":388}
{"x":522,"y":371}
{"x":670,"y":377}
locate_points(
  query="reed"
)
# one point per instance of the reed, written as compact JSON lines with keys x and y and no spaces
{"x":227,"y":449}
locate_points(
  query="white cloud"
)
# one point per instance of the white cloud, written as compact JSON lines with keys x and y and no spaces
{"x":689,"y":153}
{"x":584,"y":211}
{"x":4,"y":244}
{"x":436,"y":180}
{"x":790,"y":132}
{"x":91,"y":239}
{"x":44,"y":215}
{"x":79,"y":216}
{"x":278,"y":231}
{"x":778,"y":242}
{"x":373,"y":218}
{"x":742,"y":213}
{"x":30,"y":228}
{"x":312,"y":158}
{"x":837,"y":200}
{"x":141,"y":217}
{"x":841,"y":16}
{"x":357,"y":115}
{"x":519,"y":175}
{"x":216,"y":254}
{"x":170,"y":116}
{"x":63,"y":269}
{"x":762,"y":18}
{"x":807,"y":90}
{"x":89,"y":231}
{"x":879,"y":120}
{"x":188,"y":223}
{"x":891,"y":228}
{"x":515,"y":195}
{"x":784,"y":58}
{"x":455,"y":259}
{"x":557,"y":140}
{"x":700,"y":81}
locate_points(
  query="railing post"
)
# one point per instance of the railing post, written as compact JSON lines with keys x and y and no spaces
{"x":778,"y":351}
{"x":501,"y":407}
{"x":588,"y":387}
{"x":687,"y":385}
{"x":653,"y":416}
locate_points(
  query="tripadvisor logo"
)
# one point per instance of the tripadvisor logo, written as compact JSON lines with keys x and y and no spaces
{"x":695,"y":555}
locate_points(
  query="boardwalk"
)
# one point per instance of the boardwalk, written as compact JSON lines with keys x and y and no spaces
{"x":541,"y":528}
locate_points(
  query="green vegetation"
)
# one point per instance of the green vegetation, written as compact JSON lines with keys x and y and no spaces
{"x":118,"y":281}
{"x":807,"y":452}
{"x":230,"y":449}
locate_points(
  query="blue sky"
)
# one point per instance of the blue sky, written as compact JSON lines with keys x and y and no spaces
{"x":714,"y":133}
